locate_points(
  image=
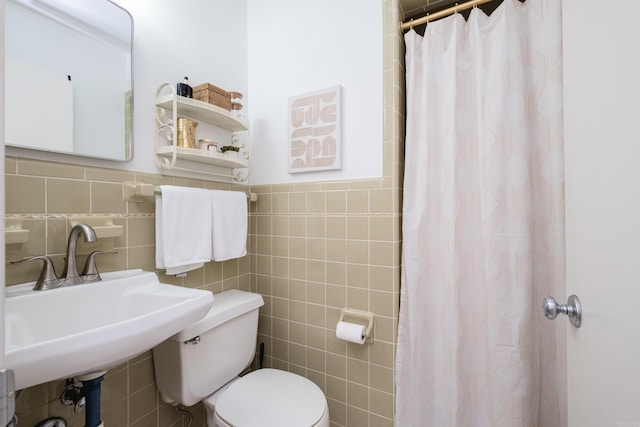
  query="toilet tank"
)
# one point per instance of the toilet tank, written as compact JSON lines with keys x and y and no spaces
{"x":189,"y":369}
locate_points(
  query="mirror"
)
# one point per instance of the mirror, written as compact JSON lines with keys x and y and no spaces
{"x":68,"y":77}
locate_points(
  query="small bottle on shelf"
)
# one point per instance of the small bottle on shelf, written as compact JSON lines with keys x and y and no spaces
{"x":183,"y":89}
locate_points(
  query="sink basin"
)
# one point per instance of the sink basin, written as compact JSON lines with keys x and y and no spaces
{"x":78,"y":330}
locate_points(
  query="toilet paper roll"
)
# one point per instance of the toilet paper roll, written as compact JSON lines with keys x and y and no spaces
{"x":351,"y":332}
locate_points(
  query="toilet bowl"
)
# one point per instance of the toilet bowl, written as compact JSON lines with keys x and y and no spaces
{"x":269,"y":398}
{"x":202,"y":363}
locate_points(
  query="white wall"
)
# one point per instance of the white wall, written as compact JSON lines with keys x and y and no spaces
{"x":297,"y":47}
{"x":268,"y":50}
{"x":205,"y":40}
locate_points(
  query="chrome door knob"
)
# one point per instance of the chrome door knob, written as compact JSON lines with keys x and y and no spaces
{"x":572,"y":308}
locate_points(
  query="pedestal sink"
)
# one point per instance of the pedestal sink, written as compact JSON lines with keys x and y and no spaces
{"x":89,"y":328}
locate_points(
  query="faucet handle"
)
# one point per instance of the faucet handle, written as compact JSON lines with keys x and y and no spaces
{"x":48,"y":278}
{"x":90,"y":268}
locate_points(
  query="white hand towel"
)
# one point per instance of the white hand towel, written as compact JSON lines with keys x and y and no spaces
{"x":183,"y":229}
{"x":230,"y":222}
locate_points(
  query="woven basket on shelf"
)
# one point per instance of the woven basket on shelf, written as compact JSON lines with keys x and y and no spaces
{"x":213,"y":95}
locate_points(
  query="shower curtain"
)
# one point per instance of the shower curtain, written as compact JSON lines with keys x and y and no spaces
{"x":483,"y":222}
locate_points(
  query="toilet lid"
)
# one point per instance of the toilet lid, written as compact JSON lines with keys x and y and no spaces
{"x":271,"y":397}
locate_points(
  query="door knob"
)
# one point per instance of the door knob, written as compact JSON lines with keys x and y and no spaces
{"x":572,"y":308}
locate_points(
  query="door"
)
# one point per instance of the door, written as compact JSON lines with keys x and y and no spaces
{"x":2,"y":208}
{"x":602,"y":158}
{"x":6,"y":403}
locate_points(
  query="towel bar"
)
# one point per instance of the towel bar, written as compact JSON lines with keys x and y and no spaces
{"x":252,"y":197}
{"x":138,"y":191}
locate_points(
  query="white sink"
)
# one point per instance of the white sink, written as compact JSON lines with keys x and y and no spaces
{"x":77,"y":330}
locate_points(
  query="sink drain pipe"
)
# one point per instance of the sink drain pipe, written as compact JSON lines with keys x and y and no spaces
{"x":91,"y":390}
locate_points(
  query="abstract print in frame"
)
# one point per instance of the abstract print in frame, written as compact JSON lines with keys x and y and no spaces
{"x":314,"y":131}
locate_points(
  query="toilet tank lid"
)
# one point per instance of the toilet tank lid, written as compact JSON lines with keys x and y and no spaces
{"x":226,"y":306}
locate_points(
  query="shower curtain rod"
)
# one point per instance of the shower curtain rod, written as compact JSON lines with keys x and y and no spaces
{"x":449,"y":11}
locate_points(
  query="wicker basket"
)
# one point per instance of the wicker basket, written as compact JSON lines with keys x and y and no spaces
{"x":213,"y":95}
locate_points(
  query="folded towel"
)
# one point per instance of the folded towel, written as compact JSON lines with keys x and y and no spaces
{"x":230,"y":222}
{"x":183,"y":228}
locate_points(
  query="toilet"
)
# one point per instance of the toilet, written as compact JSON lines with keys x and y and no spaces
{"x":203,"y":363}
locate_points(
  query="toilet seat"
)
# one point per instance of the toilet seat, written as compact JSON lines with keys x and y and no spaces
{"x":272,"y":398}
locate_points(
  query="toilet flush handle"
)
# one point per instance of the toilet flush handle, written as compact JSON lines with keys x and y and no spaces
{"x":195,"y":340}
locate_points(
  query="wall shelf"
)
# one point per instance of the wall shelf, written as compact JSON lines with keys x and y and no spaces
{"x":209,"y":157}
{"x":171,"y":106}
{"x":14,"y":233}
{"x":203,"y":112}
{"x":102,"y":225}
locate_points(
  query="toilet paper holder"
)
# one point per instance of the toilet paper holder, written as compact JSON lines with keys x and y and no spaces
{"x":363,"y":317}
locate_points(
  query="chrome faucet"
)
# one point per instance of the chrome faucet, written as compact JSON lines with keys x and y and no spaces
{"x":70,"y":271}
{"x":69,"y":276}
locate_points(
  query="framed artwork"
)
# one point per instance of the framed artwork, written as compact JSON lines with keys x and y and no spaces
{"x":314,"y":131}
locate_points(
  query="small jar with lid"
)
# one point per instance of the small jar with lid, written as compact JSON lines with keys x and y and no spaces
{"x":183,"y":89}
{"x":236,"y":103}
